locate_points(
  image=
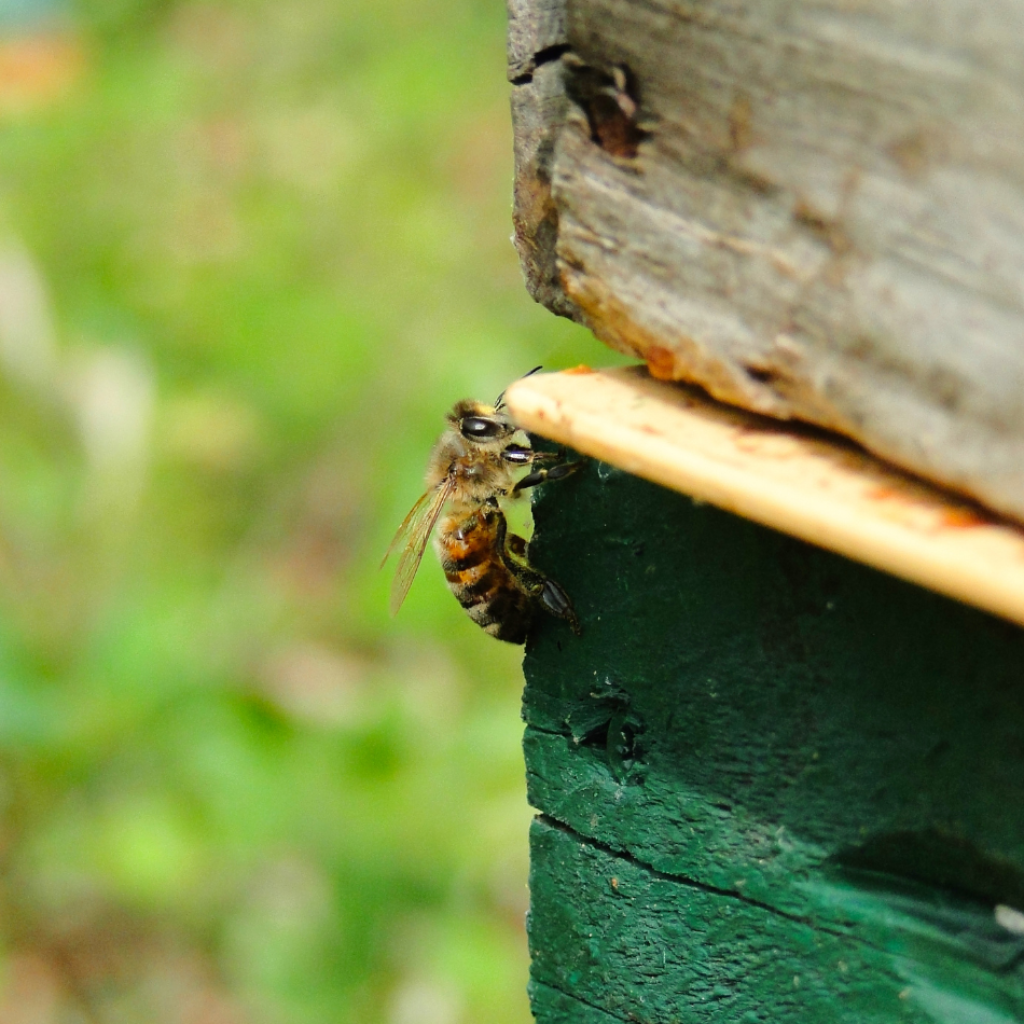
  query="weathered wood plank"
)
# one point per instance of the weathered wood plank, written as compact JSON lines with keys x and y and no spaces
{"x":820,"y":214}
{"x":777,"y":786}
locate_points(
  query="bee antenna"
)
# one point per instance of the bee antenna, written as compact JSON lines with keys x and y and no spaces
{"x":500,"y":401}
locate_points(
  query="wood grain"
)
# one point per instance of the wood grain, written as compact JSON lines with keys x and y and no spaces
{"x":795,"y":480}
{"x":823,"y":219}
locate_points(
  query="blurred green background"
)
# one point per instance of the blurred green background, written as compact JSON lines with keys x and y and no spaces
{"x":250,"y":253}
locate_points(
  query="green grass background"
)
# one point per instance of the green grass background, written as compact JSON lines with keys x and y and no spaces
{"x":247,"y":260}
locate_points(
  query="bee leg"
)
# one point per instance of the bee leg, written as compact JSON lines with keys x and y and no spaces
{"x":546,"y":592}
{"x":555,"y":600}
{"x":541,"y":476}
{"x":556,"y":456}
{"x":520,"y":455}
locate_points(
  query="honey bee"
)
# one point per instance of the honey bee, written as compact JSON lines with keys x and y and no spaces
{"x":473,"y":468}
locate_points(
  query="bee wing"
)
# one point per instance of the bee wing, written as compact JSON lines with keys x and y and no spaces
{"x":415,"y":530}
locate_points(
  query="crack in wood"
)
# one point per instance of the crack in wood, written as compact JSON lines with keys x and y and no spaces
{"x":692,"y":883}
{"x":574,"y":997}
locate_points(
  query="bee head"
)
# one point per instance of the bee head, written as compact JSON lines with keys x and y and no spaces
{"x":478,"y":422}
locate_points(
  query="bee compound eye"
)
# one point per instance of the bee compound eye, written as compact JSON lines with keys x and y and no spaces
{"x":479,"y":428}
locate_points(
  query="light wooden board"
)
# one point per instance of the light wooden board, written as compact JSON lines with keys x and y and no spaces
{"x":796,"y":480}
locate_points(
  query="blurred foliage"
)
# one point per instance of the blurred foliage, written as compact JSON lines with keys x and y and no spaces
{"x":250,"y":252}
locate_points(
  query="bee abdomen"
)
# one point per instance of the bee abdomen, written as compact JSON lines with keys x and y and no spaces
{"x":479,"y":579}
{"x":492,"y":600}
{"x":467,"y":558}
{"x":505,"y":615}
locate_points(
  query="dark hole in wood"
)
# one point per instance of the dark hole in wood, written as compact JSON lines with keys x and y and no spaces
{"x":762,"y":374}
{"x":613,"y":732}
{"x":540,"y":58}
{"x":549,"y":54}
{"x":611,"y":102}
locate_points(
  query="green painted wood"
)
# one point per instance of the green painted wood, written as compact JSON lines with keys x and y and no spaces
{"x":774,"y":785}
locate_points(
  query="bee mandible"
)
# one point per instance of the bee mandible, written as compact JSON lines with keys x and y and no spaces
{"x":473,"y":468}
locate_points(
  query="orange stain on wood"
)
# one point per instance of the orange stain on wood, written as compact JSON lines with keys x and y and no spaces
{"x":661,"y":362}
{"x":962,"y":519}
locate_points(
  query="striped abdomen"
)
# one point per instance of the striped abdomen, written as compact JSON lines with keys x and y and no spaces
{"x":471,"y":549}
